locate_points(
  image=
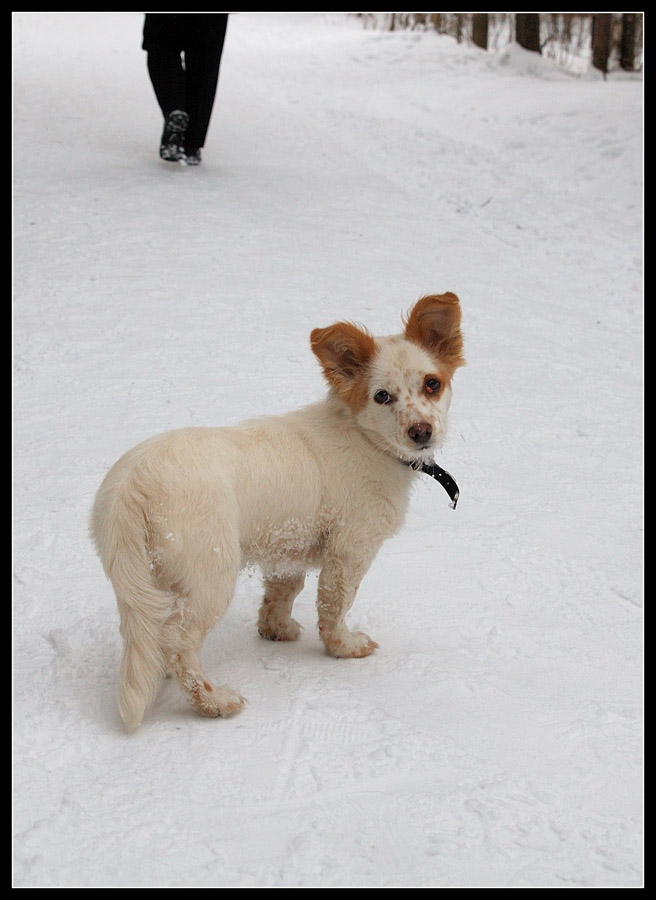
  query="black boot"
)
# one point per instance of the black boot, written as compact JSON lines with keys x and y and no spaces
{"x":171,"y":146}
{"x":192,"y":156}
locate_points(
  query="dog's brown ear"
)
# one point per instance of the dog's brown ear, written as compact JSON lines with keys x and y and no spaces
{"x":434,"y":323}
{"x":344,"y":351}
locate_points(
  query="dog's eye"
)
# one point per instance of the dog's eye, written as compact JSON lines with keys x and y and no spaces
{"x":382,"y":397}
{"x":432,"y":385}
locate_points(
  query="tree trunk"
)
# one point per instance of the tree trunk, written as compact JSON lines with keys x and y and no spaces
{"x":527,"y":31}
{"x":479,"y":29}
{"x":601,"y":40}
{"x":459,"y":18}
{"x":627,"y":49}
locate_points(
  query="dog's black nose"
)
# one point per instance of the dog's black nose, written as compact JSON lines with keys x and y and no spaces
{"x":420,"y":432}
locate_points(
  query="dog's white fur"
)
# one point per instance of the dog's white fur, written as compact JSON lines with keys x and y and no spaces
{"x":180,"y":515}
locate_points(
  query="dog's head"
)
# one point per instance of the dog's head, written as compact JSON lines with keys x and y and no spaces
{"x":398,"y":388}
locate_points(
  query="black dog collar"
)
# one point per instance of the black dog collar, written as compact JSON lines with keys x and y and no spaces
{"x":439,"y":474}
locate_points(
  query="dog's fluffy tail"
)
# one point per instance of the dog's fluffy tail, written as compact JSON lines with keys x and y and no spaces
{"x":120,"y":532}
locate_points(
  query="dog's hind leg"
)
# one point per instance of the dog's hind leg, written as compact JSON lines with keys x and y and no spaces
{"x":206,"y":698}
{"x":275,"y":619}
{"x":199,"y":608}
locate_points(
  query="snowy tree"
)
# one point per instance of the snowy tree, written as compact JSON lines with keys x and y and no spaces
{"x":628,"y":41}
{"x":527,"y":31}
{"x":480,"y":29}
{"x":602,"y":27}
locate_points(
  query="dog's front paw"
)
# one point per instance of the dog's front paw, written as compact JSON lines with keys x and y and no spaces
{"x":275,"y":625}
{"x":275,"y":631}
{"x":349,"y":644}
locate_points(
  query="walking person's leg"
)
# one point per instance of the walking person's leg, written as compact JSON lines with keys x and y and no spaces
{"x":167,"y":76}
{"x":202,"y":63}
{"x":163,"y":40}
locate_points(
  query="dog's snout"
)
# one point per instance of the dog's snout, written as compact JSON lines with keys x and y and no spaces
{"x":420,"y":432}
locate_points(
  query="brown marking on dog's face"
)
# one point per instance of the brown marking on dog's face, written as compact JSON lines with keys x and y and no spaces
{"x":434,"y":324}
{"x":345,"y":351}
{"x":434,"y":386}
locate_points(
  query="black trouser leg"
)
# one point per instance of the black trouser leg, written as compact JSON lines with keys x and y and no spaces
{"x":168,"y":78}
{"x":202,"y":72}
{"x":202,"y":61}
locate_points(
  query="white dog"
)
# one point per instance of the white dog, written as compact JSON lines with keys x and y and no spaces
{"x":178,"y":517}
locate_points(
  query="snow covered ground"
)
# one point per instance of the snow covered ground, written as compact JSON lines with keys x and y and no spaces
{"x":496,"y":737}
